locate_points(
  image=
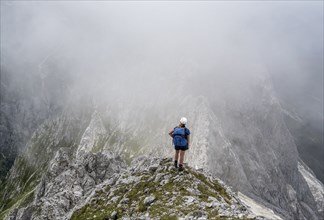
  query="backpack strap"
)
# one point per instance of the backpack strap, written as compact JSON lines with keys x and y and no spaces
{"x":185,"y":136}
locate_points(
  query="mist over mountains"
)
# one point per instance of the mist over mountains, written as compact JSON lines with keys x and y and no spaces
{"x":249,"y":77}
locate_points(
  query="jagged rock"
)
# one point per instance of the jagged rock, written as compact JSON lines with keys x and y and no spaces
{"x":148,"y":200}
{"x":153,"y":168}
{"x":115,"y":199}
{"x":114,"y":215}
{"x":92,"y":134}
{"x":12,"y":214}
{"x":158,"y":177}
{"x":61,"y":188}
{"x":198,"y":214}
{"x":124,"y":201}
{"x":189,"y":199}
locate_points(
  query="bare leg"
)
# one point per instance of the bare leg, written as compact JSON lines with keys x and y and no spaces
{"x":182,"y":153}
{"x":176,"y":155}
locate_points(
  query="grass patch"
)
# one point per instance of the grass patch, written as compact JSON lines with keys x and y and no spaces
{"x":167,"y":217}
{"x":213,"y":185}
{"x":157,"y":210}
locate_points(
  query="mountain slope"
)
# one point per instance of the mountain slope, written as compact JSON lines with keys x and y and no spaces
{"x":244,"y":142}
{"x":58,"y":133}
{"x":64,"y":184}
{"x":99,"y":187}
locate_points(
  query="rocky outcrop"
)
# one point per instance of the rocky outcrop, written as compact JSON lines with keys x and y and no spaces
{"x":99,"y":187}
{"x":315,"y":186}
{"x":67,"y":183}
{"x":92,"y":134}
{"x":153,"y":189}
{"x":55,"y":133}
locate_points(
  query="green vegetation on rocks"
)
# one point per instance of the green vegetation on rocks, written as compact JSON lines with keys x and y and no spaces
{"x":159,"y":191}
{"x":18,"y":189}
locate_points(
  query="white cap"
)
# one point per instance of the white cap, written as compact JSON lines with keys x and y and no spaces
{"x":183,"y":120}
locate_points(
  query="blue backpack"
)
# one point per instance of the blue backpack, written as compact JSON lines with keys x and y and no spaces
{"x":179,"y":137}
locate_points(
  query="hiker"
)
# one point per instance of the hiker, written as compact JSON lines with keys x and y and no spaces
{"x":181,"y":141}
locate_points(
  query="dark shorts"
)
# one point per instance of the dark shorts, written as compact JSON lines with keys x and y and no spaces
{"x":181,"y":148}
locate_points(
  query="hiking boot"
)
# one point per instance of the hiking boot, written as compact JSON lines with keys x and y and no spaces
{"x":180,"y":167}
{"x":176,"y":164}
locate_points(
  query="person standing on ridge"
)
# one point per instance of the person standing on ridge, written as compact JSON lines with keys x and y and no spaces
{"x":181,"y":141}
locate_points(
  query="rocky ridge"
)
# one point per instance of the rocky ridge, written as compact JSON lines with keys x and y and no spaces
{"x":154,"y":189}
{"x":98,"y":186}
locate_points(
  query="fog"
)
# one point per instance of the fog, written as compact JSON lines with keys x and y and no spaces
{"x":141,"y":50}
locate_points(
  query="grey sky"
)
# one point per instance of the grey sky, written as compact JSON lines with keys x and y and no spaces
{"x":143,"y":47}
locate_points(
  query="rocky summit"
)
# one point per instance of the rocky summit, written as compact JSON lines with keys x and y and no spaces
{"x":100,"y":186}
{"x":155,"y":189}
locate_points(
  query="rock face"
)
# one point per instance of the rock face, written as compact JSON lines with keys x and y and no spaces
{"x":54,"y":134}
{"x":243,"y":142}
{"x":26,"y":102}
{"x":246,"y":143}
{"x":315,"y":186}
{"x":57,"y":133}
{"x":250,"y":148}
{"x":92,"y":134}
{"x":68,"y":183}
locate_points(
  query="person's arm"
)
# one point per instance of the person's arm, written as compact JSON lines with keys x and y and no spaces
{"x":171,"y":132}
